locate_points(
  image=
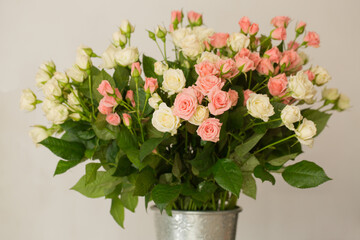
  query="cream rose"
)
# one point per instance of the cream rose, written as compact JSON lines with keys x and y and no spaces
{"x":119,"y":39}
{"x":200,"y":115}
{"x":290,"y":115}
{"x":27,"y":100}
{"x":304,"y":57}
{"x":126,"y":56}
{"x":238,"y":41}
{"x":300,"y":87}
{"x":330,"y":94}
{"x":42,"y":77}
{"x":126,"y":27}
{"x":108,"y":57}
{"x":203,"y":33}
{"x":75,"y":116}
{"x":52,"y":89}
{"x":259,"y":106}
{"x":73,"y":98}
{"x":48,"y":104}
{"x":209,"y":57}
{"x":179,"y":35}
{"x":305,"y":132}
{"x":343,"y":102}
{"x":191,"y":46}
{"x":58,"y":114}
{"x":164,"y":120}
{"x":76,"y":74}
{"x":61,"y":77}
{"x":322,"y":76}
{"x":38,"y":134}
{"x":174,"y":81}
{"x":48,"y":66}
{"x":154,"y":101}
{"x":160,"y":68}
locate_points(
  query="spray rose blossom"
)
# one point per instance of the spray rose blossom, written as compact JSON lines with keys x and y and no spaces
{"x":185,"y":104}
{"x":322,"y":76}
{"x":300,"y":87}
{"x":312,"y":39}
{"x":27,"y":100}
{"x":160,"y":68}
{"x":237,"y":41}
{"x":254,"y":29}
{"x":247,"y":93}
{"x":305,"y":132}
{"x":218,"y":40}
{"x":126,"y":56}
{"x":113,"y":119}
{"x":344,"y":102}
{"x":209,"y":130}
{"x":277,"y":85}
{"x":219,"y":101}
{"x":274,"y":55}
{"x":290,"y":115}
{"x":174,"y":81}
{"x":105,"y":88}
{"x":130,"y":97}
{"x":227,"y":68}
{"x":280,"y":21}
{"x":208,"y":56}
{"x":200,"y":115}
{"x":127,"y":119}
{"x":245,"y":24}
{"x":108,"y":57}
{"x":154,"y":101}
{"x":164,"y":120}
{"x":279,"y":34}
{"x":265,"y":67}
{"x":259,"y":106}
{"x":38,"y":134}
{"x":330,"y":94}
{"x":151,"y":85}
{"x":205,"y":84}
{"x":206,"y":68}
{"x":234,"y":97}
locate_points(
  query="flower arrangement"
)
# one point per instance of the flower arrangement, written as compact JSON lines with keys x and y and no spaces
{"x":190,"y":133}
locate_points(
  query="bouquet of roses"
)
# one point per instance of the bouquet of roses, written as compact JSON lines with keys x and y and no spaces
{"x":193,"y":132}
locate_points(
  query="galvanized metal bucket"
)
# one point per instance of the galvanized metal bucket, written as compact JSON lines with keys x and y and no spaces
{"x":196,"y":225}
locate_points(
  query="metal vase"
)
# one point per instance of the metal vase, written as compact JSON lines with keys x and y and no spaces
{"x":196,"y":225}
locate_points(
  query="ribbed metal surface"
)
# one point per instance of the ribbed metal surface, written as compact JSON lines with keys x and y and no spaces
{"x":196,"y":225}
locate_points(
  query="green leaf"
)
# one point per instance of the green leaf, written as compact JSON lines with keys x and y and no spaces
{"x":97,"y":79}
{"x":121,"y":77}
{"x":319,"y":118}
{"x":128,"y":144}
{"x":177,"y":166}
{"x":248,"y":163}
{"x":236,"y":119}
{"x":148,"y":66}
{"x":67,"y":150}
{"x":149,"y":145}
{"x":91,"y":170}
{"x":244,"y":148}
{"x":124,"y":167}
{"x":249,"y":185}
{"x":129,"y":200}
{"x":304,"y":174}
{"x":112,"y":152}
{"x":279,"y":161}
{"x":117,"y":211}
{"x":103,"y":184}
{"x":63,"y":166}
{"x":107,"y":133}
{"x":144,"y":182}
{"x":163,"y":194}
{"x":228,"y":175}
{"x":204,"y":159}
{"x":264,"y":175}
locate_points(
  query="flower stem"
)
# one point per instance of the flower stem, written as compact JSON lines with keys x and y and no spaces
{"x":138,"y":107}
{"x":272,"y":144}
{"x":91,"y":97}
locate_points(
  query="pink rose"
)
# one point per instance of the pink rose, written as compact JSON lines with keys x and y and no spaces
{"x":228,"y":68}
{"x":135,"y":67}
{"x":198,"y":93}
{"x":118,"y":95}
{"x":277,"y":85}
{"x":150,"y":85}
{"x":312,"y":39}
{"x":310,"y":74}
{"x":245,"y":24}
{"x":254,"y":29}
{"x":218,"y":40}
{"x":209,"y":130}
{"x":247,"y":93}
{"x":293,"y":45}
{"x":113,"y":119}
{"x":103,"y":109}
{"x":265,"y":67}
{"x":206,"y":68}
{"x":234,"y":96}
{"x":207,"y":46}
{"x":176,"y":15}
{"x":171,"y":27}
{"x":288,"y":100}
{"x":185,"y":104}
{"x":205,"y":84}
{"x":292,"y":60}
{"x":130,"y":97}
{"x":279,"y":34}
{"x":194,"y":17}
{"x":105,"y":88}
{"x":255,"y":57}
{"x":274,"y":54}
{"x":280,"y":21}
{"x":108,"y":101}
{"x":300,"y":27}
{"x":244,"y":53}
{"x":127,"y":119}
{"x":245,"y":64}
{"x":219,"y":101}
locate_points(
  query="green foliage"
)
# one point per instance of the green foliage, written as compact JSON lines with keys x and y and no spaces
{"x":63,"y":166}
{"x":148,"y":146}
{"x":164,"y":194}
{"x":305,"y":174}
{"x":121,"y":77}
{"x":117,"y":211}
{"x":73,"y":151}
{"x":97,"y":79}
{"x":144,"y":182}
{"x":319,"y":118}
{"x":128,"y":144}
{"x":249,"y":185}
{"x":264,"y":175}
{"x":91,"y":172}
{"x":249,"y":144}
{"x":228,"y":175}
{"x":148,"y":66}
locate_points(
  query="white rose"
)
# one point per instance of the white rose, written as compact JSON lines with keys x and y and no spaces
{"x":179,"y":35}
{"x":126,"y":27}
{"x":300,"y":87}
{"x":164,"y":120}
{"x":305,"y":132}
{"x":75,"y":116}
{"x":203,"y":33}
{"x":200,"y":115}
{"x":42,"y":77}
{"x":58,"y":114}
{"x":48,"y":66}
{"x":343,"y":102}
{"x":289,"y":115}
{"x":119,"y":39}
{"x":330,"y":94}
{"x":61,"y":77}
{"x":259,"y":106}
{"x":154,"y":101}
{"x":38,"y":134}
{"x":52,"y":89}
{"x":48,"y":104}
{"x":76,"y":74}
{"x":73,"y":98}
{"x":27,"y":100}
{"x":84,"y":50}
{"x":126,"y":56}
{"x":191,"y":46}
{"x":238,"y":41}
{"x":322,"y":76}
{"x":304,"y":57}
{"x":83,"y":61}
{"x":108,"y":57}
{"x":174,"y":81}
{"x":208,"y":56}
{"x":160,"y":68}
{"x":160,"y":31}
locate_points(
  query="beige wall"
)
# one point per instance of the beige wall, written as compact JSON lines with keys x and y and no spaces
{"x":34,"y":205}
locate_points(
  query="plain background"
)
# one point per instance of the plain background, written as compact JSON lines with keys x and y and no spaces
{"x":34,"y":205}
